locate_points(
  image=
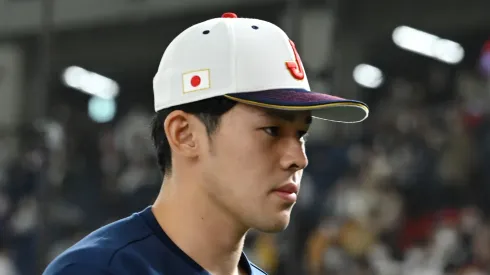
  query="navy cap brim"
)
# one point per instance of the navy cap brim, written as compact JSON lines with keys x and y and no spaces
{"x":329,"y":107}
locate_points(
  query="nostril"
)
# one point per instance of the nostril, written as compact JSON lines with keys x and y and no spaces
{"x":255,"y":27}
{"x":205,"y":32}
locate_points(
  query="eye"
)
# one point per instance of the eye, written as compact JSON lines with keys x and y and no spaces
{"x":272,"y":131}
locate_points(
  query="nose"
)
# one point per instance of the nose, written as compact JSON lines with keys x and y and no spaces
{"x":294,"y":156}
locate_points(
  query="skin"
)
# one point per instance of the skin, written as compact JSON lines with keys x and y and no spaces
{"x":222,"y":186}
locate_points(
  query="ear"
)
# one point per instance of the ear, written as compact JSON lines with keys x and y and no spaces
{"x":180,"y":135}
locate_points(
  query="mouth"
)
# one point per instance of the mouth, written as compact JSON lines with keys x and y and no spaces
{"x":288,"y":192}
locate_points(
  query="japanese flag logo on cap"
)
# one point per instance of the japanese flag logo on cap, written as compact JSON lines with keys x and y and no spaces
{"x":195,"y":81}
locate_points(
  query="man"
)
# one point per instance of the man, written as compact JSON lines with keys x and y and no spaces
{"x":233,"y":106}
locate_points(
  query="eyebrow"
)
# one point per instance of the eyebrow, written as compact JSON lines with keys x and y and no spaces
{"x":289,"y":116}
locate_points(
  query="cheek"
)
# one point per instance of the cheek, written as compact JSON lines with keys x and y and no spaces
{"x":244,"y":149}
{"x":244,"y":160}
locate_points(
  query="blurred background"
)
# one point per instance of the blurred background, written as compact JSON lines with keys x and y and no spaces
{"x":406,"y":192}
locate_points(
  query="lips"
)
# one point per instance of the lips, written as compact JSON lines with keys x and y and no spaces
{"x":288,"y":188}
{"x":287,"y":193}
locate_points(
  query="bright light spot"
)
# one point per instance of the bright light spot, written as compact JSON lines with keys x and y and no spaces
{"x":427,"y":44}
{"x":368,"y":76}
{"x":101,"y":110}
{"x":90,"y":82}
{"x":413,"y":40}
{"x":448,"y":51}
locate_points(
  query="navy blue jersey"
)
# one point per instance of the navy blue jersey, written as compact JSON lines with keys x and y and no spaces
{"x":136,"y":245}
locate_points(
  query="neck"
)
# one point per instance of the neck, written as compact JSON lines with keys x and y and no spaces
{"x":199,"y":227}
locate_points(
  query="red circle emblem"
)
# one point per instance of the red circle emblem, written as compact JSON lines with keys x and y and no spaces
{"x":195,"y":81}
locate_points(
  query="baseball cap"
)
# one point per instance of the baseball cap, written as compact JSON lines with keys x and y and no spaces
{"x":246,"y":60}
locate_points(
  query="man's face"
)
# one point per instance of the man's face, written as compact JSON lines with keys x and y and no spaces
{"x":253,"y":153}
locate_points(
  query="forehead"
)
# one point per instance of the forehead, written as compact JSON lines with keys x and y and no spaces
{"x":289,"y":116}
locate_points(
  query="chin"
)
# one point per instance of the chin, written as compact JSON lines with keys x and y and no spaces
{"x":274,"y":225}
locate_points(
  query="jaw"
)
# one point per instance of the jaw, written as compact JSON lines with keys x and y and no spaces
{"x":273,"y":220}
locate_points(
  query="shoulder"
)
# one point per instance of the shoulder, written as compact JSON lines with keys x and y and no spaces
{"x":97,"y":251}
{"x":77,"y":269}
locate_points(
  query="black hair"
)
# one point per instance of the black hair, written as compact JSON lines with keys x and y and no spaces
{"x":209,"y":112}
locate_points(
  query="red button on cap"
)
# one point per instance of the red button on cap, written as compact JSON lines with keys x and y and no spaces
{"x":229,"y":15}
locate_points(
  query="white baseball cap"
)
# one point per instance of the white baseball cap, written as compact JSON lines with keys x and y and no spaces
{"x":247,"y":60}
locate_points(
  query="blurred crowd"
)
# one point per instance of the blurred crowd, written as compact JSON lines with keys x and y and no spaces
{"x":410,"y":195}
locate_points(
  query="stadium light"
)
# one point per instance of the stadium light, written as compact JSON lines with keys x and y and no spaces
{"x":90,"y":82}
{"x":428,"y":44}
{"x":368,"y":76}
{"x":101,"y":110}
